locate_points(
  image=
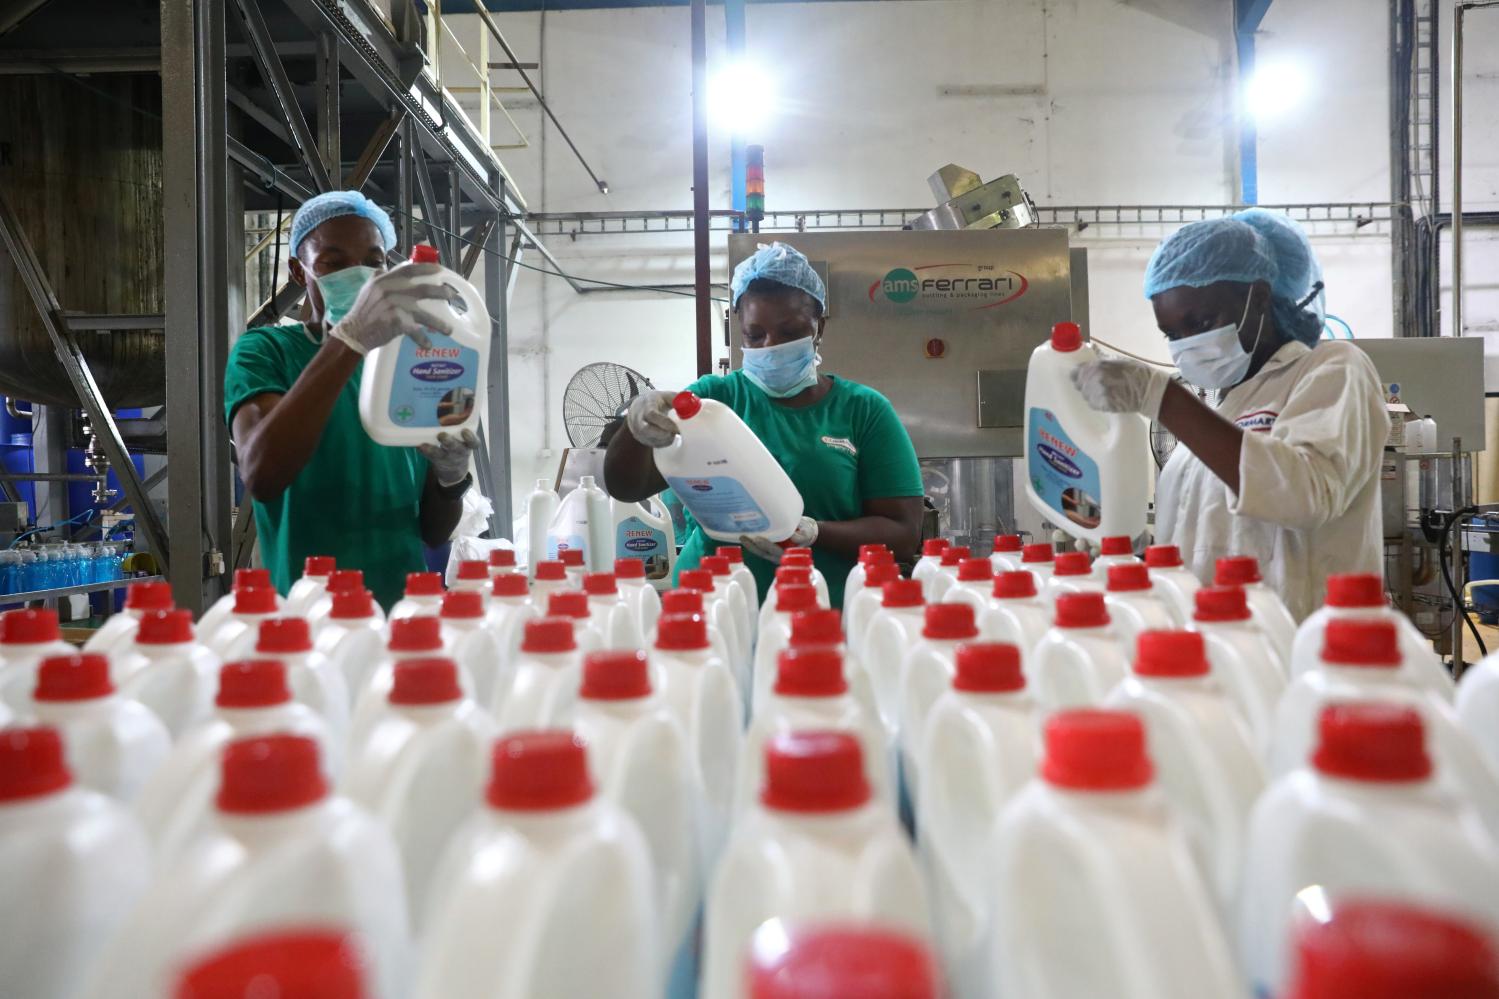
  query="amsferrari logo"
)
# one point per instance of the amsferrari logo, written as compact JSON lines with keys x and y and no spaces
{"x":977,"y":286}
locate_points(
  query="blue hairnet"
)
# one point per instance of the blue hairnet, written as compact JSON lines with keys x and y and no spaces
{"x":330,"y":205}
{"x":782,"y":264}
{"x":1254,"y":245}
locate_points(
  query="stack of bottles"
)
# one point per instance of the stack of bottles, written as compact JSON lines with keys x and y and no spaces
{"x":53,"y":566}
{"x":1099,"y":779}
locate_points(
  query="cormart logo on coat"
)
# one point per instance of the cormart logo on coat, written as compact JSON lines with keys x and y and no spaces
{"x":841,"y":444}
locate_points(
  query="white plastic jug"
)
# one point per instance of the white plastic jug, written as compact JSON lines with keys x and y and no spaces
{"x":1072,"y":572}
{"x":691,"y":602}
{"x":823,"y":962}
{"x":787,"y":600}
{"x":893,"y":631}
{"x":786,"y":575}
{"x":253,"y":699}
{"x":468,"y":639}
{"x":568,"y":530}
{"x":510,"y":607}
{"x":279,"y":851}
{"x":817,"y":848}
{"x":1016,"y":613}
{"x":409,"y":393}
{"x":982,"y":740}
{"x":1007,"y":554}
{"x":601,"y":548}
{"x":314,"y":680}
{"x":544,"y":682}
{"x":1478,"y":706}
{"x":502,"y":562}
{"x":946,"y":575}
{"x":926,"y":674}
{"x":1112,"y":551}
{"x":727,"y":588}
{"x":1243,"y":659}
{"x":235,"y":638}
{"x":423,"y":597}
{"x":974,"y":585}
{"x":639,"y":594}
{"x":724,"y":475}
{"x":410,"y":638}
{"x":422,"y":767}
{"x":854,"y":581}
{"x":113,"y":743}
{"x":471,"y":575}
{"x":316,"y":963}
{"x":1040,"y":561}
{"x":352,"y":636}
{"x":1134,"y":605}
{"x":1362,"y":818}
{"x":168,"y":672}
{"x":550,"y":577}
{"x":1084,"y":470}
{"x":306,"y":592}
{"x":120,"y":628}
{"x":26,"y":638}
{"x":645,"y":533}
{"x":1362,"y":596}
{"x":746,"y":582}
{"x":541,"y":510}
{"x":573,"y":605}
{"x":1095,"y":892}
{"x":213,"y":618}
{"x":859,"y":610}
{"x":724,"y":617}
{"x":1079,"y":660}
{"x":610,"y":614}
{"x":544,"y":892}
{"x":1174,"y":582}
{"x":73,"y":863}
{"x":929,"y":563}
{"x":575,"y":566}
{"x":1203,"y":753}
{"x":341,"y":581}
{"x":1264,"y":603}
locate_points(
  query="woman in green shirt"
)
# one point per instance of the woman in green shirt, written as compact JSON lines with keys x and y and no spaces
{"x":840,"y":442}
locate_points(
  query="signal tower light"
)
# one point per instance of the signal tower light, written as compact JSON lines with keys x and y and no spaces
{"x":754,"y":185}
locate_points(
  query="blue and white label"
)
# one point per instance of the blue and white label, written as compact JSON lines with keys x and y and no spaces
{"x":1061,"y":474}
{"x":558,"y":543}
{"x":434,"y":386}
{"x":720,"y":504}
{"x":634,"y":538}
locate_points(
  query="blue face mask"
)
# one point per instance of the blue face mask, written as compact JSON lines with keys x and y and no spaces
{"x":340,"y":289}
{"x":783,"y":370}
{"x":1216,"y":359}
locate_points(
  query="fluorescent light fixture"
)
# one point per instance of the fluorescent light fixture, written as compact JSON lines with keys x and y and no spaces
{"x":741,"y":98}
{"x":1276,"y":87}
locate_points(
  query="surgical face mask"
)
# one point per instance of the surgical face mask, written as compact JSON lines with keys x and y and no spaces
{"x":340,"y":289}
{"x":785,"y":369}
{"x":1216,"y":359}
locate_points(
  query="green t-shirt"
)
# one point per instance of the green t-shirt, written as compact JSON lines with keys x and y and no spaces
{"x":355,"y":500}
{"x":846,"y":448}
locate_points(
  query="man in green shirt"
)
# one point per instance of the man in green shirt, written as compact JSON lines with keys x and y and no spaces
{"x":840,"y":442}
{"x":321,"y":486}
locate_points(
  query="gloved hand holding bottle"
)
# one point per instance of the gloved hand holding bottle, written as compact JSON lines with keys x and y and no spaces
{"x":365,"y":309}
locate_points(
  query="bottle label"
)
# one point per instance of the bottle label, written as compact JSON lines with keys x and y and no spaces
{"x":434,"y":386}
{"x":557,"y":543}
{"x":720,"y":504}
{"x":634,"y":538}
{"x":1061,"y":474}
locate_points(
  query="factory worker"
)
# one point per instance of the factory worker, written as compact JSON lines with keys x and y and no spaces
{"x":840,"y":442}
{"x":1286,"y":466}
{"x":321,"y":486}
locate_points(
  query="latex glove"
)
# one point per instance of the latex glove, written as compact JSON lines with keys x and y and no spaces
{"x":804,"y":536}
{"x":397,"y":302}
{"x":649,"y":419}
{"x":1118,"y":385}
{"x":762,"y":548}
{"x":449,"y":457}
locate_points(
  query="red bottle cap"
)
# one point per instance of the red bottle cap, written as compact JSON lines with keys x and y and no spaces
{"x":501,"y":558}
{"x":716,"y":565}
{"x":1220,"y":603}
{"x":1116,"y":546}
{"x":1361,"y":643}
{"x":462,"y":604}
{"x":954,"y":555}
{"x":1356,"y":589}
{"x":425,"y":681}
{"x":797,"y":560}
{"x":949,"y":622}
{"x":877,"y":553}
{"x":1008,"y":543}
{"x":352,"y":604}
{"x":1037,"y":553}
{"x":813,"y":671}
{"x":681,"y":633}
{"x":615,"y":676}
{"x":1066,"y":337}
{"x":877,"y":574}
{"x":473,"y":570}
{"x":629,"y":568}
{"x":792,"y":598}
{"x":300,"y":964}
{"x":1236,"y":570}
{"x":1369,"y":741}
{"x":1171,"y":654}
{"x":988,"y":668}
{"x":254,"y":600}
{"x":33,"y":626}
{"x":551,"y":571}
{"x":686,"y":405}
{"x":148,"y":596}
{"x":415,"y":634}
{"x":793,"y":574}
{"x":320,"y":566}
{"x":270,"y":773}
{"x":600,"y":584}
{"x":975,"y":570}
{"x":1014,"y":585}
{"x":1129,"y":578}
{"x":1073,"y":564}
{"x":831,"y":962}
{"x":681,"y":602}
{"x":568,"y":603}
{"x":539,"y":771}
{"x":31,"y":763}
{"x":934,"y":547}
{"x":816,"y":627}
{"x":511,"y":584}
{"x":733,"y":553}
{"x":345,"y":579}
{"x":1081,"y":610}
{"x":1093,"y":750}
{"x":173,"y":627}
{"x":423,"y":584}
{"x":252,"y":577}
{"x":807,"y":771}
{"x":424,"y":253}
{"x":695,"y":579}
{"x":571,"y":558}
{"x":252,"y":683}
{"x":283,"y":636}
{"x":799,"y":550}
{"x":902,"y":593}
{"x":548,"y":635}
{"x":82,"y":677}
{"x":1163,"y":557}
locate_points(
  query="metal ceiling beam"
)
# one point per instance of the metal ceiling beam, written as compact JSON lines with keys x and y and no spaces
{"x":13,"y":12}
{"x":429,"y":207}
{"x":275,"y":76}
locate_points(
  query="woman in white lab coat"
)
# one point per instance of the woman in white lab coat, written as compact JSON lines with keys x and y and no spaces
{"x":1286,"y":467}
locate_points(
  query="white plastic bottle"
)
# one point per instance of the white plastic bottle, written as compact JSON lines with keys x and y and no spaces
{"x":823,"y":962}
{"x":793,"y":575}
{"x":423,"y":596}
{"x":926,"y":674}
{"x":801,"y":558}
{"x":26,"y":638}
{"x":473,"y":575}
{"x":169,"y":672}
{"x":544,"y":683}
{"x":1016,"y":614}
{"x":1173,"y":581}
{"x":1079,"y":660}
{"x":639,"y":594}
{"x":541,"y":509}
{"x":316,"y":963}
{"x":1362,"y":818}
{"x":1082,"y":467}
{"x":468,"y":640}
{"x":601,"y":549}
{"x":854,"y":581}
{"x":340,"y":581}
{"x":546,"y":891}
{"x":278,"y":851}
{"x":609,"y":614}
{"x":1007,"y":554}
{"x":1203,"y":753}
{"x":216,"y":615}
{"x":253,"y":699}
{"x":314,"y":680}
{"x":638,"y":755}
{"x":1264,"y":603}
{"x":721,"y":616}
{"x":352,"y":636}
{"x":120,"y":628}
{"x":1362,"y":596}
{"x":646,"y":534}
{"x":893,"y":630}
{"x":728,"y":589}
{"x":789,"y":599}
{"x":410,"y":638}
{"x":1134,"y":606}
{"x":1242,"y":657}
{"x":723,"y":474}
{"x":946,"y":575}
{"x":1072,"y":572}
{"x":811,"y":691}
{"x":980,"y":748}
{"x":930,"y":562}
{"x":73,"y":863}
{"x":817,"y":848}
{"x":1113,"y":551}
{"x":235,"y":637}
{"x":860,"y":609}
{"x":310,"y":588}
{"x":574,"y":566}
{"x":1089,"y":852}
{"x":409,"y":393}
{"x":747,"y":584}
{"x":1040,"y":561}
{"x":974,"y":585}
{"x":691,"y":602}
{"x":502,"y":562}
{"x":422,"y":767}
{"x":550,"y":577}
{"x":573,"y":605}
{"x":113,"y":743}
{"x":568,"y":531}
{"x":510,"y":607}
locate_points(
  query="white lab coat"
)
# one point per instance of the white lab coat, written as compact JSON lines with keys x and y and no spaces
{"x":1309,"y":504}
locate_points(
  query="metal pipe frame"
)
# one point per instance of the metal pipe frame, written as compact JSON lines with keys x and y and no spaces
{"x":498,"y":286}
{"x":429,"y":207}
{"x":286,"y":98}
{"x":1459,"y":15}
{"x":700,"y":224}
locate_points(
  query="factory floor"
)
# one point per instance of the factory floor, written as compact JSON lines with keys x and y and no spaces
{"x":1490,"y":635}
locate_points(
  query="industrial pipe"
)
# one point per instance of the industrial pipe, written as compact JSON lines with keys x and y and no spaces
{"x":1459,"y":13}
{"x":701,"y":288}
